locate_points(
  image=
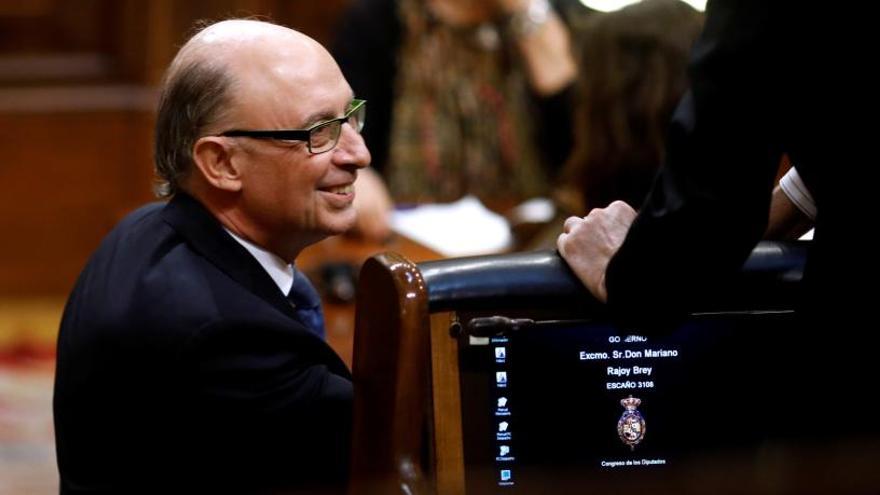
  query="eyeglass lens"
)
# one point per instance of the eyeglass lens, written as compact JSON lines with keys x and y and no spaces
{"x":324,"y":137}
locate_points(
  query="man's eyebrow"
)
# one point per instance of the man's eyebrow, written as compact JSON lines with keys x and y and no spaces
{"x":324,"y":115}
{"x":317,"y":118}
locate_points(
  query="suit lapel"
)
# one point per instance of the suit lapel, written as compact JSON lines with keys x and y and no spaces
{"x":206,"y":235}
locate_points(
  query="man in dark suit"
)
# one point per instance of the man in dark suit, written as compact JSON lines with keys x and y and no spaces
{"x":767,"y":77}
{"x":763,"y":83}
{"x":182,"y":365}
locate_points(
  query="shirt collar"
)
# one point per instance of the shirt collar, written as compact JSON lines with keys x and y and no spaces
{"x":279,"y":270}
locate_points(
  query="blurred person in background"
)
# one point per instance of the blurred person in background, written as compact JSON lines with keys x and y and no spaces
{"x":466,"y":97}
{"x":632,"y":73}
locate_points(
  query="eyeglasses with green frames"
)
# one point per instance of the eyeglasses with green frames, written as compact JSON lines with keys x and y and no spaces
{"x":320,"y":137}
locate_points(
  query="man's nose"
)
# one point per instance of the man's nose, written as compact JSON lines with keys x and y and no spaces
{"x":351,"y":149}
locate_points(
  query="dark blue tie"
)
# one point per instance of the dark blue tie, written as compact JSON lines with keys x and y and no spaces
{"x":306,"y":303}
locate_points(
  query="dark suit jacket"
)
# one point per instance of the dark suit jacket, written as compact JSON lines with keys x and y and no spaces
{"x":182,"y":369}
{"x":767,"y":77}
{"x":770,"y":77}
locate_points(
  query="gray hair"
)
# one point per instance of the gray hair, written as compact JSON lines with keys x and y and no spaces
{"x":194,"y":93}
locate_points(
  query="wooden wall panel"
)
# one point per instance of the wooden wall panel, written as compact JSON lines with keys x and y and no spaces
{"x":77,"y":87}
{"x":46,"y":26}
{"x":66,"y":180}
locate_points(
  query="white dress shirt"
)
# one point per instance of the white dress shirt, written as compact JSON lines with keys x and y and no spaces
{"x":279,"y":270}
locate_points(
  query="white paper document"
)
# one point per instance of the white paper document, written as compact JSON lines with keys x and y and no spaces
{"x":462,"y":228}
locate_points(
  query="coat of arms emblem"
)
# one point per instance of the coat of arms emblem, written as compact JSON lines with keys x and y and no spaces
{"x":631,"y":426}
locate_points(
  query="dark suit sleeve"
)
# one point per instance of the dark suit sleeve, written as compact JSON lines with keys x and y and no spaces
{"x":709,"y":204}
{"x":266,"y":403}
{"x":555,"y":120}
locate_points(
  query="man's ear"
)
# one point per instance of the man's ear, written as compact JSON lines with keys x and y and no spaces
{"x":213,"y":159}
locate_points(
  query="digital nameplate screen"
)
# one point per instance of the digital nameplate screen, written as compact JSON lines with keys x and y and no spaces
{"x":584,"y":407}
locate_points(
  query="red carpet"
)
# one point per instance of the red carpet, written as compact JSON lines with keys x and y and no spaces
{"x":28,"y":329}
{"x":27,"y":445}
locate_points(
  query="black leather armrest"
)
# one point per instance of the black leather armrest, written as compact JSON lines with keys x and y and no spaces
{"x":542,"y":279}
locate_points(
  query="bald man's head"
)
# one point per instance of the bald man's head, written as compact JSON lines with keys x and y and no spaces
{"x":198,"y":90}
